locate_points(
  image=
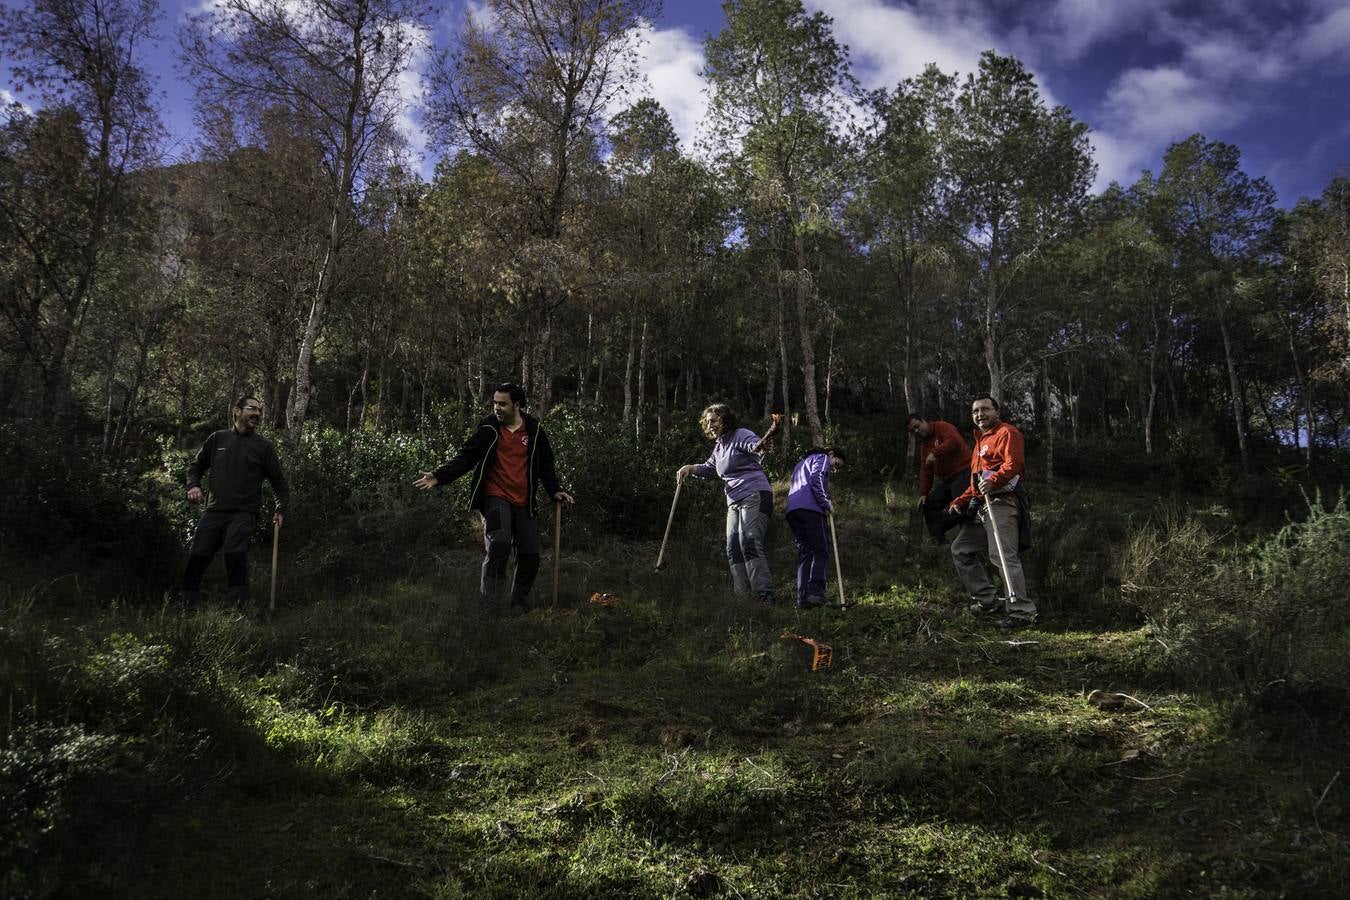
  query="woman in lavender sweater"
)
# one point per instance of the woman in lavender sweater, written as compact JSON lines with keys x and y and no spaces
{"x":749,"y":498}
{"x":808,"y":508}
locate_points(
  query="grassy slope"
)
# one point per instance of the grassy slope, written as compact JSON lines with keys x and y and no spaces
{"x":394,"y":743}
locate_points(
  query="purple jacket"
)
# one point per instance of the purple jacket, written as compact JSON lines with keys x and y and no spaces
{"x":810,"y":488}
{"x":740,"y":470}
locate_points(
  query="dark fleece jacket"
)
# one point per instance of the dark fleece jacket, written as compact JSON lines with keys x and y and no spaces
{"x":479,"y":454}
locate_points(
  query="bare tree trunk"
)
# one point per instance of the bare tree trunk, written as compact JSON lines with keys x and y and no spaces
{"x":382,"y":398}
{"x":1152,"y":387}
{"x":1073,"y":408}
{"x":364,"y":385}
{"x":992,"y":358}
{"x":600,"y":373}
{"x":628,"y":371}
{"x":641,"y":384}
{"x":543,"y":376}
{"x":783,"y":364}
{"x":829,"y":368}
{"x":298,"y":409}
{"x":1305,"y":398}
{"x":805,"y":286}
{"x":584,"y":368}
{"x":1235,"y":392}
{"x":1049,"y":423}
{"x":771,"y":373}
{"x":661,"y":408}
{"x":108,"y":381}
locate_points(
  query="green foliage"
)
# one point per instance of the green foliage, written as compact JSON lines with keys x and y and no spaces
{"x":1194,"y":459}
{"x":621,"y":489}
{"x":587,"y":751}
{"x":1271,"y":620}
{"x":1101,"y":459}
{"x":1076,"y":542}
{"x":60,"y":498}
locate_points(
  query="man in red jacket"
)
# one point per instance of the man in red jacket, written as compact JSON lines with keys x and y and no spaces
{"x":996,"y":493}
{"x":509,"y":454}
{"x":944,"y":471}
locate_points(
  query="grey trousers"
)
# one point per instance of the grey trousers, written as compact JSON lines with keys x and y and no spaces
{"x":505,"y":525}
{"x":747,"y":525}
{"x":974,"y":545}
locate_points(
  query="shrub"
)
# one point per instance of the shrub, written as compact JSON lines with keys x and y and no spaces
{"x":1272,"y":621}
{"x":1074,"y":547}
{"x":60,"y":497}
{"x":1100,"y":459}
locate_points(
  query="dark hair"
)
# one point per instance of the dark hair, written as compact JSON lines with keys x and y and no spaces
{"x":837,"y":451}
{"x":914,"y":417}
{"x":239,"y":404}
{"x":723,"y":412}
{"x":985,"y":397}
{"x":510,"y":387}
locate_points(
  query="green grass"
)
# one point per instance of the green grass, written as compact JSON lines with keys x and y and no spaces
{"x":392,"y":741}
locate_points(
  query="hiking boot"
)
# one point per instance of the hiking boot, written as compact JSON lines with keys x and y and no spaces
{"x":811,"y":603}
{"x":980,"y":608}
{"x":1015,"y":621}
{"x":767,"y":598}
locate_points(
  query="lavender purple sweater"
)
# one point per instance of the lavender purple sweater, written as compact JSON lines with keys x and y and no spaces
{"x":740,"y":470}
{"x":810,"y":488}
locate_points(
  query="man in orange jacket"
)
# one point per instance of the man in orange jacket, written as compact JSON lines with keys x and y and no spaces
{"x":997,"y":494}
{"x":944,"y":471}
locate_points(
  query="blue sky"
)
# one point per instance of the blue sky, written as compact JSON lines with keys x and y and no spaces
{"x":1272,"y":76}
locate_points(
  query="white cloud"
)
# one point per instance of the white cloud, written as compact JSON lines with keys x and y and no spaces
{"x":1166,"y":102}
{"x":1145,"y":110}
{"x":7,"y":99}
{"x":1328,"y":38}
{"x":1074,"y":26}
{"x":889,"y":43}
{"x":671,"y":63}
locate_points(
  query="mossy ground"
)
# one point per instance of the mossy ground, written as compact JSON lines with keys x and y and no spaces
{"x":395,"y":741}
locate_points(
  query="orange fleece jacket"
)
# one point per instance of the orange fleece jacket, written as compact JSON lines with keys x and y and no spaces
{"x":998,"y":450}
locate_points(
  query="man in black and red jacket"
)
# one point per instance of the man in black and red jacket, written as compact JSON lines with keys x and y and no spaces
{"x":509,"y":454}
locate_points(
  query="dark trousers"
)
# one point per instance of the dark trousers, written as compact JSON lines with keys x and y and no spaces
{"x":811,"y":533}
{"x":506,"y":525}
{"x":940,"y":496}
{"x":218,"y":529}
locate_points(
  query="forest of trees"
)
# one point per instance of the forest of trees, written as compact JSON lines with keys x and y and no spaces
{"x":1176,"y":351}
{"x":825,"y":251}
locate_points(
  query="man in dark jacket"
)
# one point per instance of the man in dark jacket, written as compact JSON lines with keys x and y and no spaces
{"x":508,"y":453}
{"x":237,"y":458}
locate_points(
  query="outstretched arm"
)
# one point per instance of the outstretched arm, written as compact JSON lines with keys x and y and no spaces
{"x":473,"y":451}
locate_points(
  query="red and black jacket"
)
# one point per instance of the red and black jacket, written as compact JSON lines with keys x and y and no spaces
{"x":479,"y":454}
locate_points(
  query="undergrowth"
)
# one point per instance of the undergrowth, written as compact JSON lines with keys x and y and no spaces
{"x":395,"y":738}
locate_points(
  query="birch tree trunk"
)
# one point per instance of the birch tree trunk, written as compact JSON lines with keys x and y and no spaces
{"x":641,"y":384}
{"x":805,"y":287}
{"x":1049,"y":423}
{"x":783,"y":363}
{"x":1235,"y":392}
{"x":628,"y":372}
